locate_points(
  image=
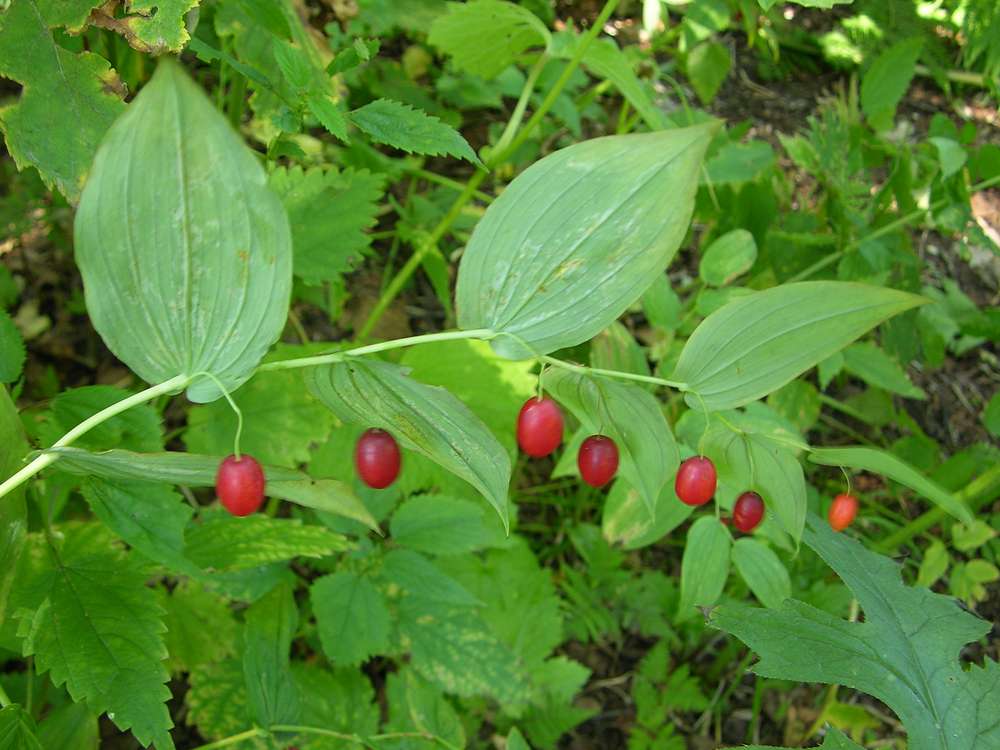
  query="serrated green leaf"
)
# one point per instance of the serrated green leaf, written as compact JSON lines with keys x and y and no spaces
{"x":886,"y":81}
{"x":875,"y":367}
{"x":59,"y":86}
{"x":905,"y":653}
{"x":834,"y":739}
{"x":756,"y":344}
{"x":100,"y":630}
{"x":69,"y":726}
{"x":416,"y":706}
{"x":17,"y":729}
{"x":149,"y":516}
{"x":159,"y":24}
{"x":763,"y":572}
{"x":632,"y":417}
{"x":705,"y":565}
{"x":351,"y":616}
{"x":138,"y":428}
{"x":736,"y":163}
{"x":341,"y":700}
{"x":199,"y":226}
{"x":411,"y":130}
{"x":415,"y":575}
{"x":329,"y":212}
{"x":728,"y":257}
{"x":200,"y":627}
{"x":271,"y":624}
{"x":484,"y":37}
{"x":428,"y":420}
{"x":11,"y":350}
{"x":708,"y":65}
{"x":225,"y":542}
{"x":281,"y":421}
{"x":880,"y":462}
{"x":217,"y":701}
{"x":578,"y":237}
{"x":442,"y":525}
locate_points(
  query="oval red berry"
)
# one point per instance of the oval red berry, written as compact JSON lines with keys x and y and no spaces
{"x":539,"y":427}
{"x":597,"y":460}
{"x":239,"y":483}
{"x":377,"y":458}
{"x":748,"y":512}
{"x":695,"y":482}
{"x":842,"y":511}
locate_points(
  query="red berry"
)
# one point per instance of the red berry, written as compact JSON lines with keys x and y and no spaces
{"x":597,"y":460}
{"x":539,"y":427}
{"x":748,"y":512}
{"x":239,"y":483}
{"x":377,"y":458}
{"x":695,"y":482}
{"x":842,"y":511}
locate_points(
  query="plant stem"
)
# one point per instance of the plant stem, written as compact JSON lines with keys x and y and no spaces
{"x":325,"y":359}
{"x":517,"y":116}
{"x":983,"y":489}
{"x":447,"y":182}
{"x":4,"y":698}
{"x":497,"y":158}
{"x":583,"y":369}
{"x":235,"y":739}
{"x":175,"y":383}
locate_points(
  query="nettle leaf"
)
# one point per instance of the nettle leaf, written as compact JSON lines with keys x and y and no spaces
{"x":351,"y":616}
{"x":755,"y":344}
{"x":886,"y":81}
{"x":879,"y":462}
{"x":484,"y":37}
{"x":905,"y":653}
{"x":442,"y":525}
{"x":200,"y":626}
{"x":11,"y":349}
{"x":217,"y":701}
{"x":342,"y":700}
{"x":281,"y":421}
{"x":270,"y":627}
{"x":834,"y":739}
{"x":412,"y":130}
{"x":99,"y":630}
{"x":763,"y":572}
{"x":426,"y":419}
{"x":632,"y":417}
{"x":138,"y":428}
{"x":175,"y":219}
{"x":417,"y":576}
{"x":17,"y":729}
{"x":414,"y":705}
{"x":875,"y":367}
{"x":225,"y":542}
{"x":578,"y":237}
{"x":59,"y":86}
{"x":329,"y":212}
{"x":149,"y":516}
{"x":705,"y":565}
{"x":159,"y":24}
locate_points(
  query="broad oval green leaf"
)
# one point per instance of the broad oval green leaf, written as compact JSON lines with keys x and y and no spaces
{"x":186,"y":254}
{"x":629,"y":415}
{"x":577,"y":237}
{"x":423,"y":418}
{"x":729,"y":256}
{"x":705,"y":565}
{"x":756,"y":344}
{"x":763,"y":572}
{"x":626,"y":519}
{"x":886,"y":464}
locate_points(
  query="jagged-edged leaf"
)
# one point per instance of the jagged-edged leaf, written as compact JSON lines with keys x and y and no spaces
{"x":329,"y":212}
{"x":200,"y":626}
{"x":417,"y":706}
{"x":483,"y":37}
{"x":905,"y":653}
{"x":875,"y":367}
{"x":281,"y":421}
{"x":442,"y":525}
{"x":417,"y":576}
{"x":341,"y":699}
{"x":412,"y":130}
{"x":426,"y":419}
{"x":11,"y":349}
{"x":150,"y":516}
{"x":351,"y":616}
{"x":99,"y":630}
{"x":225,"y":542}
{"x":754,"y":345}
{"x":705,"y":565}
{"x":885,"y":82}
{"x":186,"y":254}
{"x":217,"y":701}
{"x":632,"y":417}
{"x":270,"y":627}
{"x":138,"y":428}
{"x":17,"y":729}
{"x":13,"y":511}
{"x":578,"y":237}
{"x":81,"y":91}
{"x":834,"y":739}
{"x":879,"y":462}
{"x":158,"y":25}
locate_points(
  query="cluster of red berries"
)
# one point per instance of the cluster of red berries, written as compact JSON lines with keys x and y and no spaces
{"x":240,"y":482}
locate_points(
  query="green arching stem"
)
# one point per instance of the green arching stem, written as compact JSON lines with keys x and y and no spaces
{"x":498,"y":157}
{"x":233,"y":740}
{"x":233,"y":406}
{"x":614,"y":373}
{"x":522,"y":104}
{"x":173,"y":384}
